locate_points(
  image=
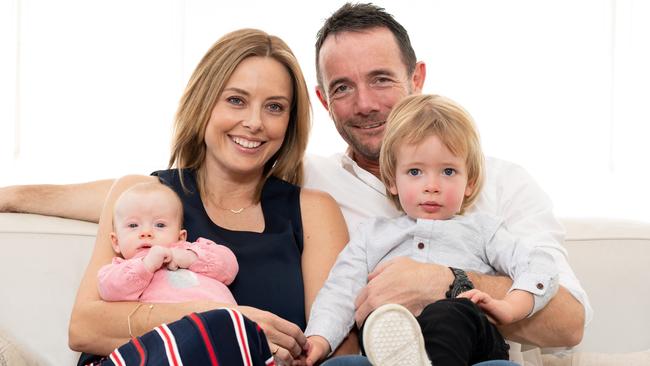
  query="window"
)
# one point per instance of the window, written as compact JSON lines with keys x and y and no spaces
{"x":556,"y":86}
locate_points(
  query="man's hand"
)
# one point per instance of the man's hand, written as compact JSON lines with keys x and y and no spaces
{"x":156,"y":257}
{"x":403,"y":281}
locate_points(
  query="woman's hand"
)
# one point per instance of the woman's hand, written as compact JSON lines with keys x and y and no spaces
{"x":286,"y":340}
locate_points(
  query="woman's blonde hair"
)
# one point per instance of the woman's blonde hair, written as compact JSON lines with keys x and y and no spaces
{"x":417,"y":117}
{"x":208,"y":81}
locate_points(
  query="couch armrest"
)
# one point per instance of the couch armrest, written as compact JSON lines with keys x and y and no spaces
{"x":43,"y":261}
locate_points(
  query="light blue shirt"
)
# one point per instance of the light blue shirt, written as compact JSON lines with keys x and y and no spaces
{"x":474,"y":242}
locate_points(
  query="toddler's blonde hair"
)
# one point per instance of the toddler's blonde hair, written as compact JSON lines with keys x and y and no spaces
{"x":419,"y":116}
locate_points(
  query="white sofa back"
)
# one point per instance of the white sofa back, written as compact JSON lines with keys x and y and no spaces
{"x":43,"y":259}
{"x":612,"y":260}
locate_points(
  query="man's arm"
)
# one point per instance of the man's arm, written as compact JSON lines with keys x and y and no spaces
{"x":82,"y":201}
{"x":414,"y":285}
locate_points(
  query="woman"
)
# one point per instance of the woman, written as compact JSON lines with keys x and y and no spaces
{"x":240,"y":134}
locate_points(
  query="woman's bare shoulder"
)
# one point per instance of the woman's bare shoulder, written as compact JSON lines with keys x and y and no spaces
{"x":320,"y":212}
{"x":310,"y":196}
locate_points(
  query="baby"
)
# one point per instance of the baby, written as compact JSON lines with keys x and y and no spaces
{"x":432,"y":166}
{"x":156,"y":263}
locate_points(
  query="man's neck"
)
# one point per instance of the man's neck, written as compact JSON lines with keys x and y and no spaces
{"x":370,"y":165}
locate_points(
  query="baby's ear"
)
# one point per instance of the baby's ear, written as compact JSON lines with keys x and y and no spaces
{"x":183,"y":235}
{"x":114,"y":243}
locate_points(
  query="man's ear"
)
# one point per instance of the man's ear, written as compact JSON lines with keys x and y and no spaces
{"x":183,"y":235}
{"x":114,"y":243}
{"x":322,"y":97}
{"x":419,"y":74}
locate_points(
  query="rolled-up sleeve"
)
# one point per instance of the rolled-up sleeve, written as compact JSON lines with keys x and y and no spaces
{"x":531,"y":268}
{"x":539,"y":276}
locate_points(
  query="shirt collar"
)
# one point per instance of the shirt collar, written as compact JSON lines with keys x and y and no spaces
{"x":363,"y":175}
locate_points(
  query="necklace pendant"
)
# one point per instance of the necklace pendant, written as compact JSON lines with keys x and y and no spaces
{"x":236,"y":211}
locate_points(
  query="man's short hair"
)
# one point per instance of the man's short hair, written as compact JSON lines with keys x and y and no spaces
{"x":359,"y":17}
{"x":417,"y":117}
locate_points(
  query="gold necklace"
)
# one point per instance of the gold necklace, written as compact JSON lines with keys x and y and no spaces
{"x":238,"y":211}
{"x":212,"y":199}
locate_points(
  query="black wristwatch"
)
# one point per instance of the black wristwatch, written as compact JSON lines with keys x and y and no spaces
{"x":461,"y":283}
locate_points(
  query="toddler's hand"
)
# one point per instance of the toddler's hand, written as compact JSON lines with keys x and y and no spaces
{"x":498,"y":311}
{"x":156,"y":257}
{"x":317,"y":349}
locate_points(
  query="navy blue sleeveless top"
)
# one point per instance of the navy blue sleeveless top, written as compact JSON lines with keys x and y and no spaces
{"x":270,"y":273}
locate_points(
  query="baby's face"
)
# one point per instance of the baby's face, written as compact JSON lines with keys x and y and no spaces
{"x":146,"y":219}
{"x":431,"y":181}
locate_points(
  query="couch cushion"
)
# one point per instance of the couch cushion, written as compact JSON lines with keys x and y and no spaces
{"x":598,"y":359}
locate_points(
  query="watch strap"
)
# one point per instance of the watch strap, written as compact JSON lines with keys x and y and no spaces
{"x":460,"y":284}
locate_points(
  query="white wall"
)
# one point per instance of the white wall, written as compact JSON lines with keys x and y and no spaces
{"x":88,"y":89}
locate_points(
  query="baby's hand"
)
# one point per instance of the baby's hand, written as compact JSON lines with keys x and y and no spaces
{"x":317,"y":349}
{"x":181,"y":258}
{"x":156,"y":257}
{"x":499,"y":311}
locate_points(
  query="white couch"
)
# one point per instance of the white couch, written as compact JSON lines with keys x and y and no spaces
{"x":43,"y":259}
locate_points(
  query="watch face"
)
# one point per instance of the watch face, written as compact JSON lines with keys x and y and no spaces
{"x":461,"y":283}
{"x":466,"y":288}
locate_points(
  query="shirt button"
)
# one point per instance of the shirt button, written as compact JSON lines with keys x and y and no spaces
{"x":540,"y":286}
{"x":420,"y":245}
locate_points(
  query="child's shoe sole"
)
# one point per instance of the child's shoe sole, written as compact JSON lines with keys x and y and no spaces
{"x":392,"y":337}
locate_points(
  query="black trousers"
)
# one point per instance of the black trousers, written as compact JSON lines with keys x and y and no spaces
{"x":457,"y":332}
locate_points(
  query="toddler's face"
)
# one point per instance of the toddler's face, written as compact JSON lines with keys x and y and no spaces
{"x":144,"y":220}
{"x":431,"y":181}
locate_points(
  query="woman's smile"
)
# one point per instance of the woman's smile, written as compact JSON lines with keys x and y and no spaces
{"x":247,"y":143}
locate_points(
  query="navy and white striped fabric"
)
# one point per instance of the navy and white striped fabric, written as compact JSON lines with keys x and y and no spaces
{"x":218,"y":337}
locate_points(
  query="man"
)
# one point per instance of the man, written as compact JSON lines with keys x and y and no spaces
{"x":365,"y":64}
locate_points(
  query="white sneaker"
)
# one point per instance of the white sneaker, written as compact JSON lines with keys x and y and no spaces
{"x":392,"y":337}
